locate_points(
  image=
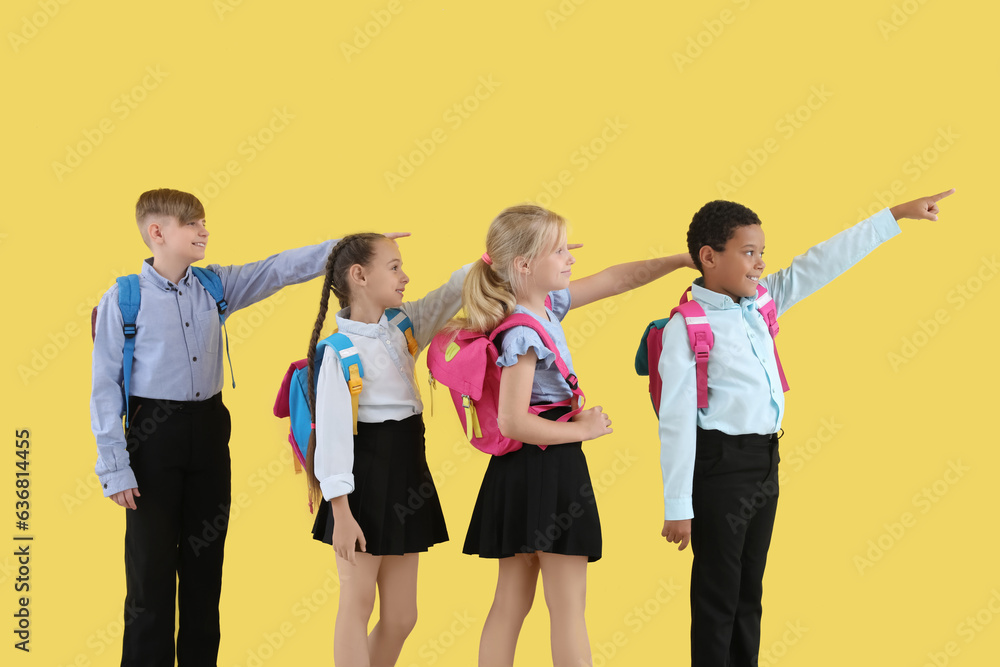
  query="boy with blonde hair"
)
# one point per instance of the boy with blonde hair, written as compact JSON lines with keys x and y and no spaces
{"x":171,"y":467}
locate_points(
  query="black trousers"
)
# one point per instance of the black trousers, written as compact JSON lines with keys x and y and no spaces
{"x":174,"y":541}
{"x":735,"y":496}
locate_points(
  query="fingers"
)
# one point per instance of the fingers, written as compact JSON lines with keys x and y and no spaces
{"x":361,"y":539}
{"x":684,"y":542}
{"x":396,"y":235}
{"x":573,"y":246}
{"x":941,"y":195}
{"x":130,"y":498}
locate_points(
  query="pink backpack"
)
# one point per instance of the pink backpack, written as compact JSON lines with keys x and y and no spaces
{"x":700,"y":336}
{"x":466,"y":363}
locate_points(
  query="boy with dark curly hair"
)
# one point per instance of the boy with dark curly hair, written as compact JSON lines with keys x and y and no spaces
{"x":720,"y":463}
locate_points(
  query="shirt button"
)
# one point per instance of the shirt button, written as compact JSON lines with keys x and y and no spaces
{"x":194,"y":358}
{"x":197,"y":394}
{"x":105,"y":486}
{"x":187,"y":324}
{"x":180,"y":293}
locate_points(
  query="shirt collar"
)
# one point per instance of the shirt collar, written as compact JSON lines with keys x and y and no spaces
{"x":154,"y":278}
{"x":346,"y":325}
{"x":707,"y":297}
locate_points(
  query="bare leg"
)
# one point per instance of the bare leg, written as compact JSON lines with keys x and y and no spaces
{"x":397,"y":595}
{"x":516,"y":582}
{"x":564,"y":579}
{"x":357,"y":599}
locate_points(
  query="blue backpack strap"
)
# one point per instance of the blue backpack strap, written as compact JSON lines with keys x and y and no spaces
{"x":128,"y":304}
{"x":400,"y":320}
{"x":350,"y":364}
{"x":211,"y":281}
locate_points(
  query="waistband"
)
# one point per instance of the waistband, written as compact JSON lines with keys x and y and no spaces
{"x":749,"y":439}
{"x":392,"y":427}
{"x":212,"y":403}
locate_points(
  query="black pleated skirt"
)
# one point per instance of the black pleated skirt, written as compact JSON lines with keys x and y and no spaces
{"x":536,"y":500}
{"x":394,"y":498}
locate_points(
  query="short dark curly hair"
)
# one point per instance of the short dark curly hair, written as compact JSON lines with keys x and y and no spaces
{"x":714,"y":224}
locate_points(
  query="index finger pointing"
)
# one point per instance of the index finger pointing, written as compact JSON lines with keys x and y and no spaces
{"x":942,"y":195}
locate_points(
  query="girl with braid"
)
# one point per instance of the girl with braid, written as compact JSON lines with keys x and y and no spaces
{"x":368,"y":481}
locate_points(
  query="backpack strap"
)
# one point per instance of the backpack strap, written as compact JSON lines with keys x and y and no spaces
{"x":399,"y":319}
{"x":350,"y":363}
{"x":211,"y":281}
{"x":701,"y":339}
{"x":769,"y":311}
{"x":128,"y":304}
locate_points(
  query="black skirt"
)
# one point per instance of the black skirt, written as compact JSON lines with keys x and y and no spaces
{"x":536,"y":500}
{"x":394,"y":499}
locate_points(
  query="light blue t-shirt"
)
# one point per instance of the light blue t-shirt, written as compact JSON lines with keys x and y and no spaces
{"x":549,"y":385}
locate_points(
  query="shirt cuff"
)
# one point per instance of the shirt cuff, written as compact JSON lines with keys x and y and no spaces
{"x":677,"y":509}
{"x":337,"y":485}
{"x":117,"y":481}
{"x":885,"y":224}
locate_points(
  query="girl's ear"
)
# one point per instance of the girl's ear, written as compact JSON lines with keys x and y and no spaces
{"x":707,"y":255}
{"x":521,"y":265}
{"x":356,"y":274}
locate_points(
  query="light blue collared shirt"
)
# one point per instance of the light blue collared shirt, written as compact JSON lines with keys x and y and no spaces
{"x":178,"y":343}
{"x":744,"y":388}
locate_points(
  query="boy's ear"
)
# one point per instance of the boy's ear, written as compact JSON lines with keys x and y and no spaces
{"x":707,"y":254}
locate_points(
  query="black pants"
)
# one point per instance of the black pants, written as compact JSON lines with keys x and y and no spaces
{"x":735,"y":496}
{"x":174,"y":541}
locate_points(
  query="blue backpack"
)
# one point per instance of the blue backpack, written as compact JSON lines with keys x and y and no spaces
{"x":128,"y":303}
{"x":293,"y":395}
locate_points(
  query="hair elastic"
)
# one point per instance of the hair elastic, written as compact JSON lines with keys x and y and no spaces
{"x":486,"y":258}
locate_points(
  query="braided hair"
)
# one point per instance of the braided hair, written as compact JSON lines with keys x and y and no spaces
{"x":350,"y":250}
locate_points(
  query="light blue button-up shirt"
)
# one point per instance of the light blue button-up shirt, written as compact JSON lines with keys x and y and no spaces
{"x":744,"y":388}
{"x":178,"y":343}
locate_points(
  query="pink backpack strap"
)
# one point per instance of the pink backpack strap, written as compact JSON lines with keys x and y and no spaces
{"x":701,"y":339}
{"x":768,"y":310}
{"x":522,"y":320}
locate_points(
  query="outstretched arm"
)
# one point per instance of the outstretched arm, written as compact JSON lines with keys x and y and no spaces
{"x":624,"y":277}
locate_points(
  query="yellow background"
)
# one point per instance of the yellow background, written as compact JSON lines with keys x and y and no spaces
{"x":896,"y":81}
